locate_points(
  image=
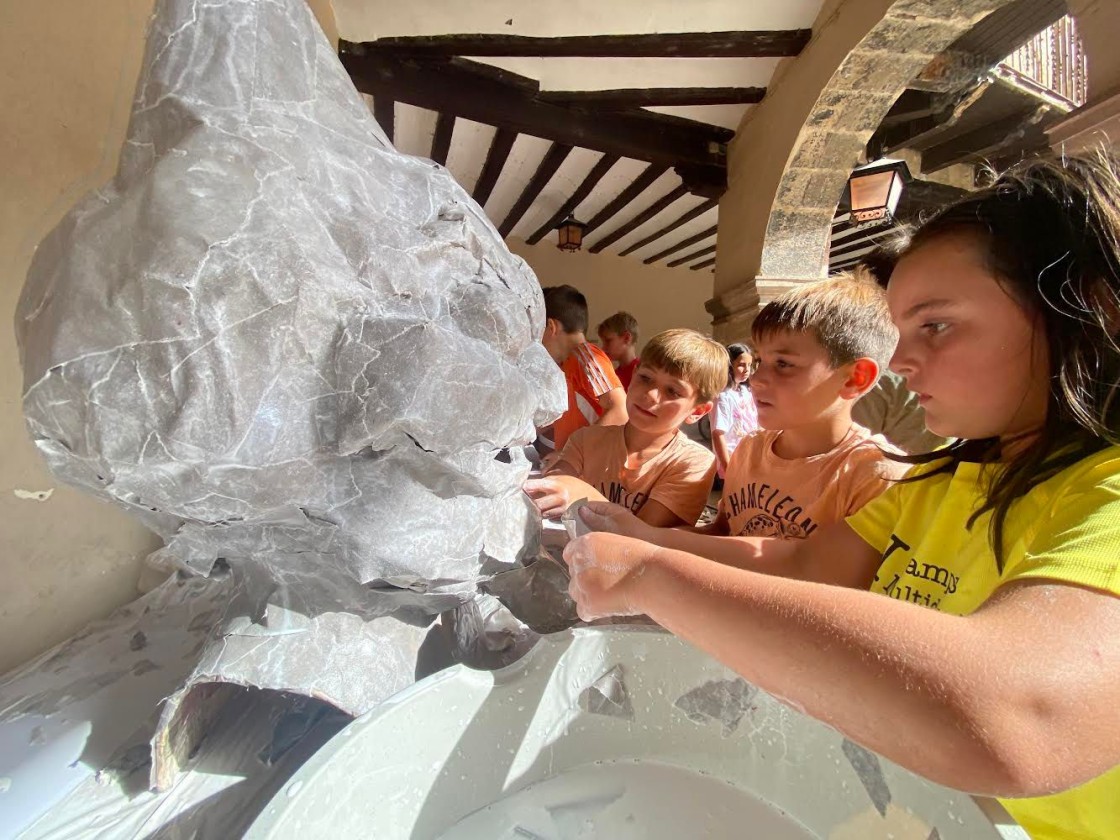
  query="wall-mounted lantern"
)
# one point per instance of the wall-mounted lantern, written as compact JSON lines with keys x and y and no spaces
{"x":570,"y":234}
{"x":875,"y":191}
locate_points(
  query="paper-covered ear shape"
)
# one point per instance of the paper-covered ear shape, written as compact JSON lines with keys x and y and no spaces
{"x":274,"y":334}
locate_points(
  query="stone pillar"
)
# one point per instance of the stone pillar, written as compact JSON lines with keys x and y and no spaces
{"x":792,"y":155}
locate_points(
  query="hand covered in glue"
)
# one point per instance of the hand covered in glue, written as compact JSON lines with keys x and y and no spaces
{"x":605,"y":569}
{"x":549,"y":495}
{"x":615,"y":519}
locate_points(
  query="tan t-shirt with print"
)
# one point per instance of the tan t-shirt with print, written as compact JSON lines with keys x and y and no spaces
{"x":679,"y":476}
{"x":768,"y":496}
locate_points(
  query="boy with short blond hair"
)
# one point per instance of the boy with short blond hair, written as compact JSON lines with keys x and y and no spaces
{"x":618,"y":336}
{"x":818,"y":349}
{"x":648,"y":465}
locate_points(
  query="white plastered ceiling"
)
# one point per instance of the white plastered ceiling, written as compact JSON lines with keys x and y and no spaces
{"x":370,"y":20}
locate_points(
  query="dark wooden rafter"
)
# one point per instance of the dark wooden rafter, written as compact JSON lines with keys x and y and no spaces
{"x":854,"y":245}
{"x":495,"y":160}
{"x":441,"y":139}
{"x":916,"y":132}
{"x":913,"y":105}
{"x":674,"y":195}
{"x":646,"y":97}
{"x":842,"y":222}
{"x":582,"y":191}
{"x":684,"y":219}
{"x":650,"y":174}
{"x":684,"y":243}
{"x":551,"y":161}
{"x":849,"y":261}
{"x":473,"y":91}
{"x":975,"y":145}
{"x":781,"y":43}
{"x":700,"y":265}
{"x":384,"y":112}
{"x":695,"y":255}
{"x":840,"y":239}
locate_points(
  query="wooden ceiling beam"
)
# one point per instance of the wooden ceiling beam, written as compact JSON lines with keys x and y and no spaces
{"x":913,"y":104}
{"x":384,"y":111}
{"x":839,"y":263}
{"x":868,"y":239}
{"x":589,"y":183}
{"x":650,"y":174}
{"x":441,"y":139}
{"x":555,"y":156}
{"x":777,"y":43}
{"x":495,"y":161}
{"x":684,"y":219}
{"x":705,"y":264}
{"x":650,"y":97}
{"x":695,"y":255}
{"x":920,"y":131}
{"x":974,"y":145}
{"x":684,"y":243}
{"x":675,"y":195}
{"x":469,"y":90}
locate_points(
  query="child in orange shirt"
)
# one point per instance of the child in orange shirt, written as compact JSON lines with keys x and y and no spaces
{"x":647,"y":465}
{"x":595,"y":395}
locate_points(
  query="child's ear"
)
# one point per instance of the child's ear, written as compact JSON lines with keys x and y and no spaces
{"x":862,"y":375}
{"x":627,"y":337}
{"x":698,"y":412}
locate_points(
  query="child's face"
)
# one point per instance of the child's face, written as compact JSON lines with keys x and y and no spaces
{"x":558,"y":343}
{"x":794,"y":382}
{"x":741,"y":368}
{"x":613,"y":344}
{"x":659,"y":402}
{"x":971,"y":352}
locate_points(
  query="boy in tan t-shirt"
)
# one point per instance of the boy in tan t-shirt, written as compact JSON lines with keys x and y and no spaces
{"x":648,"y":466}
{"x":819,"y":348}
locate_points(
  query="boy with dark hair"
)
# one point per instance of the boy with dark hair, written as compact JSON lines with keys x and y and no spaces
{"x":595,"y":395}
{"x":819,"y":348}
{"x":648,"y":465}
{"x":618,"y":336}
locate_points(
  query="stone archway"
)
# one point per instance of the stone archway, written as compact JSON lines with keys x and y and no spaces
{"x":793,"y":153}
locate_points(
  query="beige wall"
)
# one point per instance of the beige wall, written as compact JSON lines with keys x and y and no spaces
{"x":659,"y":297}
{"x":68,"y":72}
{"x":69,"y":67}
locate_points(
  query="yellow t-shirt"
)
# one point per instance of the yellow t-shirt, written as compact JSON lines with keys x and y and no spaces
{"x":679,"y":476}
{"x":1065,"y":529}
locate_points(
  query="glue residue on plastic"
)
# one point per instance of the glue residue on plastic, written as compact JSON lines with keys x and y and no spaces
{"x":628,"y":799}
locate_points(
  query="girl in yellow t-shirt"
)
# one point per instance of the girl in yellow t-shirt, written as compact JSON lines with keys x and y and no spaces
{"x":993,"y":663}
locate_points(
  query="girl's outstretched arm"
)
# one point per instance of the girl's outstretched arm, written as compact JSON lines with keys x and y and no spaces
{"x":834,"y":554}
{"x":1018,"y":699}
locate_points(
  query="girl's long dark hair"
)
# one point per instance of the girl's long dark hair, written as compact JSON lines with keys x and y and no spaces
{"x":734,"y":351}
{"x":1050,"y":230}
